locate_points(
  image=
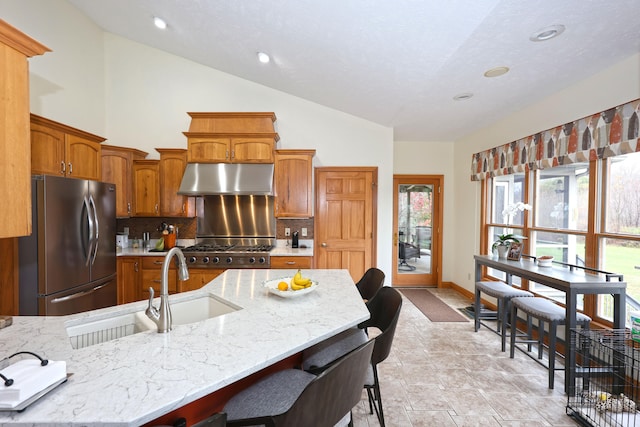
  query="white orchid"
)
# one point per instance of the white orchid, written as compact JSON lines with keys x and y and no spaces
{"x":511,"y":210}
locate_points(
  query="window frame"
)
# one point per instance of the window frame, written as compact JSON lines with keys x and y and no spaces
{"x":593,"y":234}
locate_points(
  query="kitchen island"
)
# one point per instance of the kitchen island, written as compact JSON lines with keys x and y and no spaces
{"x":133,"y":380}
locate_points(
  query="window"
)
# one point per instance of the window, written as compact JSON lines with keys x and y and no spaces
{"x":576,"y":221}
{"x":619,"y":243}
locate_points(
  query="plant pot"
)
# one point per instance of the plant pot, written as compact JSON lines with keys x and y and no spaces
{"x":502,"y":251}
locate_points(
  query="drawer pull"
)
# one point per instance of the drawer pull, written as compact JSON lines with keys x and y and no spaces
{"x":291,"y":263}
{"x":158,"y":262}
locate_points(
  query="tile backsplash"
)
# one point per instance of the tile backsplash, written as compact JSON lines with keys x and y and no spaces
{"x":187,"y":227}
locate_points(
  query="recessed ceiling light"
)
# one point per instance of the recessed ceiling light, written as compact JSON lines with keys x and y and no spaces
{"x":547,"y":33}
{"x":159,"y":22}
{"x":463,"y":96}
{"x":495,"y":72}
{"x":263,"y":57}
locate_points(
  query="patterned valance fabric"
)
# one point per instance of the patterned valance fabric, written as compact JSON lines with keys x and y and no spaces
{"x":610,"y":133}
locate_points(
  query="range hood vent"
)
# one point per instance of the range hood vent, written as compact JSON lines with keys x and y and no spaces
{"x":209,"y":179}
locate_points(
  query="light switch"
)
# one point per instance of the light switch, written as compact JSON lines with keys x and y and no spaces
{"x":303,"y":231}
{"x":287,"y":232}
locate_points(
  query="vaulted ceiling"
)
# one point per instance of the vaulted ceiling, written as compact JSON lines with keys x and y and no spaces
{"x":396,"y":63}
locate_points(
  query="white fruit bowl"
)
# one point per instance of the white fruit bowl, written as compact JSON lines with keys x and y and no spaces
{"x":545,"y":261}
{"x":272,"y":286}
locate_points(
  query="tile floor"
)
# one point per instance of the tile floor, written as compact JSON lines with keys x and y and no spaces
{"x":445,"y":374}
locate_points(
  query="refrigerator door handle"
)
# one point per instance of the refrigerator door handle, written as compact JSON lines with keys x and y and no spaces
{"x":96,"y":228}
{"x":79,"y":294}
{"x":89,"y":242}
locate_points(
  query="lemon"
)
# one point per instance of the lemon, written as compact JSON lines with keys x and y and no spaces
{"x":283,"y":286}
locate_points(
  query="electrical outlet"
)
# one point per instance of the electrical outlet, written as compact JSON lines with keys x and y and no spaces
{"x":469,"y":276}
{"x":126,"y":230}
{"x":287,"y":232}
{"x":303,"y":231}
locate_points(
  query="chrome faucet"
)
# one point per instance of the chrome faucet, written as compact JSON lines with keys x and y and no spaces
{"x":162,"y":316}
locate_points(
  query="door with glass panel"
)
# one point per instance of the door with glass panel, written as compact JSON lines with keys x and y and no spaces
{"x":416,"y":240}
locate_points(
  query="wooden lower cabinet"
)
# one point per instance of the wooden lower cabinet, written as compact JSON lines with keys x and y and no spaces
{"x":129,"y":278}
{"x":281,"y":262}
{"x":137,"y":274}
{"x":152,"y":274}
{"x":198,"y":277}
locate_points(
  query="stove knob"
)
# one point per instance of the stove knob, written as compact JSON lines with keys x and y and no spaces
{"x":205,"y":259}
{"x":192,"y":259}
{"x":229,"y":260}
{"x":216,"y":259}
{"x":252,"y":260}
{"x":262,"y":260}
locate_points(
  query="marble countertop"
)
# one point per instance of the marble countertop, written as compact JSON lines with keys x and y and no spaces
{"x":133,"y":380}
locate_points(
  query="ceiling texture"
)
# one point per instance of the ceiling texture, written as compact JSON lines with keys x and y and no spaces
{"x":397,"y":63}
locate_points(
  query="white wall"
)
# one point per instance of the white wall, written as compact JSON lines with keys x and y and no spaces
{"x":614,"y":86}
{"x":138,"y":97}
{"x":67,"y":84}
{"x":145,"y":111}
{"x":433,"y":158}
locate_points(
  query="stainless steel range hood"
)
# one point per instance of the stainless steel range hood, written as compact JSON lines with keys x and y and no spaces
{"x":208,"y":179}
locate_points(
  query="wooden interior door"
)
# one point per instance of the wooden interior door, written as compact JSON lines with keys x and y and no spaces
{"x":417,"y":219}
{"x":345,"y":218}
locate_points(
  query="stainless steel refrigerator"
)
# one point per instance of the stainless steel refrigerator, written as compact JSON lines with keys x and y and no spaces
{"x":68,"y":263}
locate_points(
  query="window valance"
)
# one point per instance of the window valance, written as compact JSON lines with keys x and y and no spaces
{"x":609,"y":133}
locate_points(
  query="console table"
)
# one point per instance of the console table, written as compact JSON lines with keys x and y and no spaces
{"x":572,"y":280}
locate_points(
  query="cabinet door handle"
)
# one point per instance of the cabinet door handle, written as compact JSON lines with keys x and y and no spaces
{"x":323,"y":244}
{"x":184,"y":207}
{"x":157,"y":281}
{"x":226,"y":154}
{"x":135,"y":266}
{"x":233,"y":154}
{"x":70,"y":168}
{"x":156,"y":208}
{"x":63,"y":167}
{"x":129,"y":208}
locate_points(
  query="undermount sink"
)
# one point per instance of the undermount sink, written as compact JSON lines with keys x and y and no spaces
{"x":199,"y":309}
{"x":103,"y":330}
{"x":121,"y":325}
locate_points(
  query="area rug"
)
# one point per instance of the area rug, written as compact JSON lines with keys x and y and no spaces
{"x":433,"y":307}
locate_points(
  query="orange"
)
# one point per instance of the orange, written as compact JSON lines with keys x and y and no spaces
{"x":283,"y":286}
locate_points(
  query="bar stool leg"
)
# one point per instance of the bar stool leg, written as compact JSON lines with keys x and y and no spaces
{"x":514,"y":316}
{"x":529,"y":331}
{"x":504,"y":305}
{"x":553,"y":327}
{"x":476,"y":310}
{"x":540,"y":338}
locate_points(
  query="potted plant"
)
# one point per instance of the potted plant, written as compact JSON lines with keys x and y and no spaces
{"x":502,"y":244}
{"x":504,"y":241}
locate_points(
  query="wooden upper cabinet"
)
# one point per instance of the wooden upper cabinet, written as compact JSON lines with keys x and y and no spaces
{"x":15,"y":150}
{"x":231,"y":138}
{"x":83,"y":157}
{"x":173,"y":162}
{"x":208,"y":150}
{"x":252,"y":150}
{"x":230,"y":149}
{"x":146,"y":188}
{"x":293,"y":183}
{"x":47,"y":148}
{"x":58,"y":149}
{"x":117,"y":168}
